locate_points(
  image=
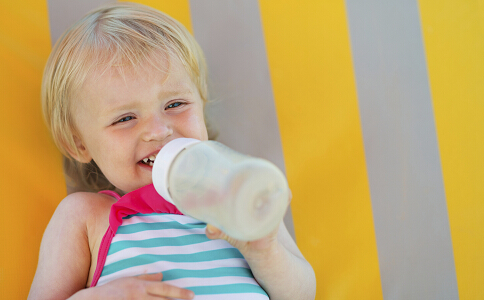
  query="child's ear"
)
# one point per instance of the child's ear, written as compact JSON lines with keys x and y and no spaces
{"x":82,"y":154}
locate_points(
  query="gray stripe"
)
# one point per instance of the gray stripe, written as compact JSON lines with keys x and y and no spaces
{"x":243,"y":111}
{"x":63,"y":14}
{"x":407,"y":193}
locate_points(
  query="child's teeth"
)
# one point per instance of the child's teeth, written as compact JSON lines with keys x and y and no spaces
{"x":149,"y":160}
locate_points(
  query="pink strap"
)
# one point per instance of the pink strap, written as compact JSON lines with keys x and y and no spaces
{"x":111,"y":193}
{"x":144,"y":200}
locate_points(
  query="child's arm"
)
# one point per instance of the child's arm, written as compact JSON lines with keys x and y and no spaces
{"x":277,"y":264}
{"x":65,"y":257}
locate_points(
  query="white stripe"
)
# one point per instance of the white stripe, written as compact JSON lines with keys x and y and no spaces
{"x":167,"y":250}
{"x":148,"y":234}
{"x":161,"y":266}
{"x":191,"y":281}
{"x":251,"y":296}
{"x":154,"y":218}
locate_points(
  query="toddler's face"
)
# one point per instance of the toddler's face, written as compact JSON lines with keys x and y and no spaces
{"x":123,"y":121}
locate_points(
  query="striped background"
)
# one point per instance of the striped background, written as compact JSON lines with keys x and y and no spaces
{"x":374,"y":109}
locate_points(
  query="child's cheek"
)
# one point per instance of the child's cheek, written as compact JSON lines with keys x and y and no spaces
{"x":197,"y":127}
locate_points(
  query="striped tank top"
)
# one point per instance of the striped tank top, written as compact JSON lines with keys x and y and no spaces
{"x":147,"y":234}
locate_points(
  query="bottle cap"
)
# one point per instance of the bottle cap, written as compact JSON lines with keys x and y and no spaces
{"x":162,"y":164}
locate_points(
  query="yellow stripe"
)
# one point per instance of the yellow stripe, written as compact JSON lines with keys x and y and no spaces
{"x":31,"y":180}
{"x":454,"y":41}
{"x":178,"y":9}
{"x":313,"y":81}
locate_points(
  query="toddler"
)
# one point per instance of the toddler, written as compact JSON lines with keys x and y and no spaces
{"x":118,"y":86}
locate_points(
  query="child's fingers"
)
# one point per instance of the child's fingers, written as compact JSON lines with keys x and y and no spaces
{"x":146,"y":286}
{"x":151,"y":277}
{"x":170,"y":291}
{"x":154,"y":287}
{"x":157,"y":288}
{"x":213,"y":232}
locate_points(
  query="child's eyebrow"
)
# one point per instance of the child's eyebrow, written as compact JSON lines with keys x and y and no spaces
{"x":164,"y":94}
{"x":178,"y":91}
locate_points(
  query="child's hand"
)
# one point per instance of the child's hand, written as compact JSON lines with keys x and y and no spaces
{"x":263,"y":246}
{"x":258,"y":247}
{"x":148,"y":286}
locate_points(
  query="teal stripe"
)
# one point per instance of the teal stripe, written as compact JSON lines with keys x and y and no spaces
{"x":227,"y":289}
{"x":133,"y":228}
{"x":208,"y":273}
{"x":144,"y":215}
{"x":140,"y":215}
{"x":145,"y":259}
{"x":159,"y":242}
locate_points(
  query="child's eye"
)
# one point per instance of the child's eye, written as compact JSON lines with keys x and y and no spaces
{"x":174,"y":104}
{"x":125,"y":119}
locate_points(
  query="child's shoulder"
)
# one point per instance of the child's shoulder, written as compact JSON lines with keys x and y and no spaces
{"x":71,"y":240}
{"x":85,"y":203}
{"x":84,"y":209}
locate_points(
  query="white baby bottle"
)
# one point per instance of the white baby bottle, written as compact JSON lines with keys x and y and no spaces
{"x":245,"y":197}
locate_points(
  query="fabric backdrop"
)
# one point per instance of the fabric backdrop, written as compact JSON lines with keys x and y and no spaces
{"x":374,"y":109}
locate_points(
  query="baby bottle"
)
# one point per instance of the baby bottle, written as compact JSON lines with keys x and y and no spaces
{"x":245,"y":197}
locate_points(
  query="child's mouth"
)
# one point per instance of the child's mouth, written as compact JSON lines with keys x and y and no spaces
{"x":149,"y":160}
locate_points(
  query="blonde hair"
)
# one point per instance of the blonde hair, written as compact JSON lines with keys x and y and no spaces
{"x":118,"y":34}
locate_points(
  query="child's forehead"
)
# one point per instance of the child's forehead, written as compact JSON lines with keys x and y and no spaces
{"x":172,"y":75}
{"x":107,"y":77}
{"x":122,"y":65}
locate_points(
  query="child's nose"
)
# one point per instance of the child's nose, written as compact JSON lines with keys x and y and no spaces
{"x":156,"y":129}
